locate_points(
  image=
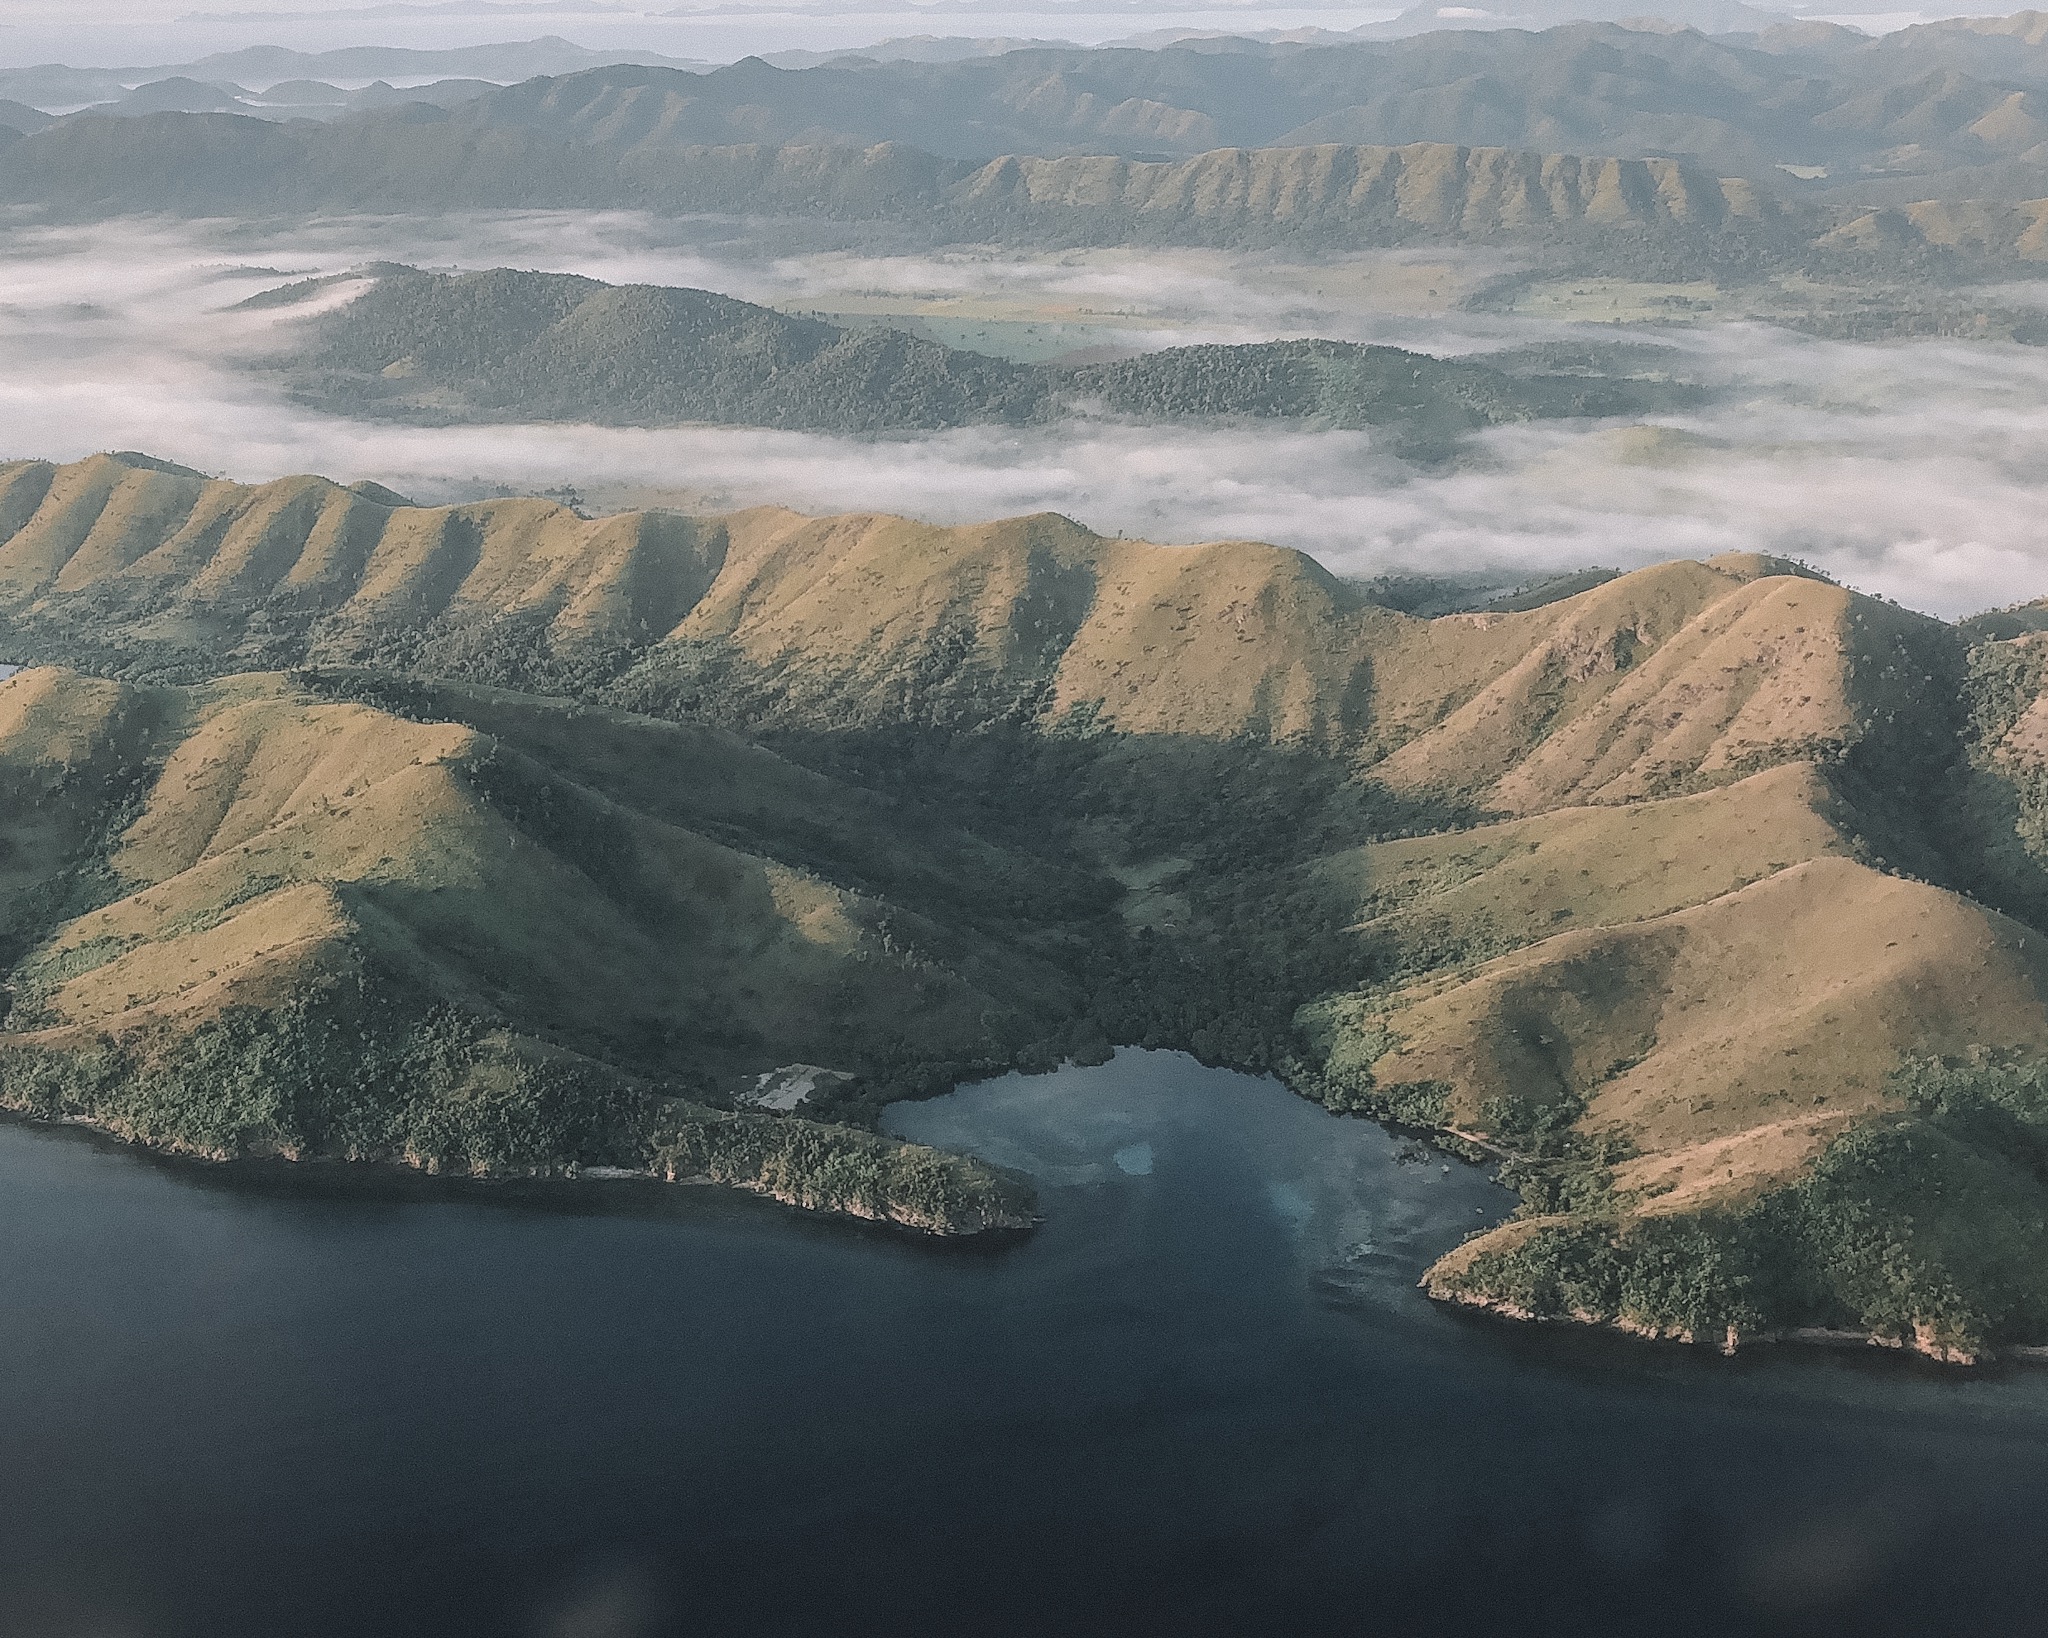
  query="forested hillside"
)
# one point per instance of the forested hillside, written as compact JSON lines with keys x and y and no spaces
{"x":508,"y":345}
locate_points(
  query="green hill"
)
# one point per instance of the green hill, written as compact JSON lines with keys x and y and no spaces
{"x":1710,"y":896}
{"x":286,"y":922}
{"x":506,"y":345}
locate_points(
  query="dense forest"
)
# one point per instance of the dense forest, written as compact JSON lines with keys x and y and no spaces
{"x":504,"y":345}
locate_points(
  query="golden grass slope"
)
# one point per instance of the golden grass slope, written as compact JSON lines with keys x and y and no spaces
{"x":1791,"y":998}
{"x":285,"y":839}
{"x":1715,"y":978}
{"x":868,"y":616}
{"x":1663,"y":680}
{"x":1722,"y":979}
{"x":1683,"y":672}
{"x":1518,"y":882}
{"x":1437,"y":187}
{"x":1981,"y":227}
{"x":68,"y":750}
{"x":307,"y":545}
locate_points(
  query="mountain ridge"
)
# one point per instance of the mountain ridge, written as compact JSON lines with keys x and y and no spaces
{"x":1569,"y":880}
{"x":1835,"y":107}
{"x":1332,"y":196}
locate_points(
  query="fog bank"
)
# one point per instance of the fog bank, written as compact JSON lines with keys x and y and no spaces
{"x":1915,"y":470}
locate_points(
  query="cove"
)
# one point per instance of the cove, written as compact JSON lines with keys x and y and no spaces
{"x":1202,"y":1397}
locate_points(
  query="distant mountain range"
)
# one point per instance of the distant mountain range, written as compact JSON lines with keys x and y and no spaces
{"x":1705,"y":16}
{"x":1667,"y":218}
{"x":287,"y":99}
{"x":1798,"y":115}
{"x":55,"y":86}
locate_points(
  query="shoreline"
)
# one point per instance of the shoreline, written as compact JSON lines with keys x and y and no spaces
{"x":1921,"y":1345}
{"x":387,"y":1169}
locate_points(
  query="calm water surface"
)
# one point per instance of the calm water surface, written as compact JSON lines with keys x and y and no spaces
{"x":1204,"y":1397}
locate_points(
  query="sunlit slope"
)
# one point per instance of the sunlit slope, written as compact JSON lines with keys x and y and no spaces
{"x":1673,"y":678}
{"x":1425,"y":189}
{"x":235,"y":570}
{"x":1501,"y":886}
{"x":861,"y":618}
{"x":1681,"y":971}
{"x":1653,"y":682}
{"x":1989,"y":228}
{"x":1776,"y":1012}
{"x":1815,"y":1100}
{"x":858,"y":618}
{"x":866,"y":618}
{"x":1695,"y":1023}
{"x":70,"y":751}
{"x":286,"y":839}
{"x":1656,"y":682}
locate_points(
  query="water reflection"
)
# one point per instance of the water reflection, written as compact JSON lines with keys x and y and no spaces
{"x":1350,"y":1199}
{"x":1204,"y":1397}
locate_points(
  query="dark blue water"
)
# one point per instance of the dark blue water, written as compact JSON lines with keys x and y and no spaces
{"x":1203,"y":1398}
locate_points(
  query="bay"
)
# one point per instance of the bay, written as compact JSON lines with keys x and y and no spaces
{"x":1203,"y":1396}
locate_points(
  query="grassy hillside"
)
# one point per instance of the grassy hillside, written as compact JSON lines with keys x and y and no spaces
{"x":546,"y":964}
{"x":1709,"y":896}
{"x":1342,"y":191}
{"x":507,"y":345}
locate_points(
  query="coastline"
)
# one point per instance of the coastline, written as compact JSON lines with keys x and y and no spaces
{"x":1922,"y":1344}
{"x":964,"y":1221}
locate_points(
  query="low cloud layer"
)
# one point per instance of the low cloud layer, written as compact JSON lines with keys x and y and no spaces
{"x":1913,"y":470}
